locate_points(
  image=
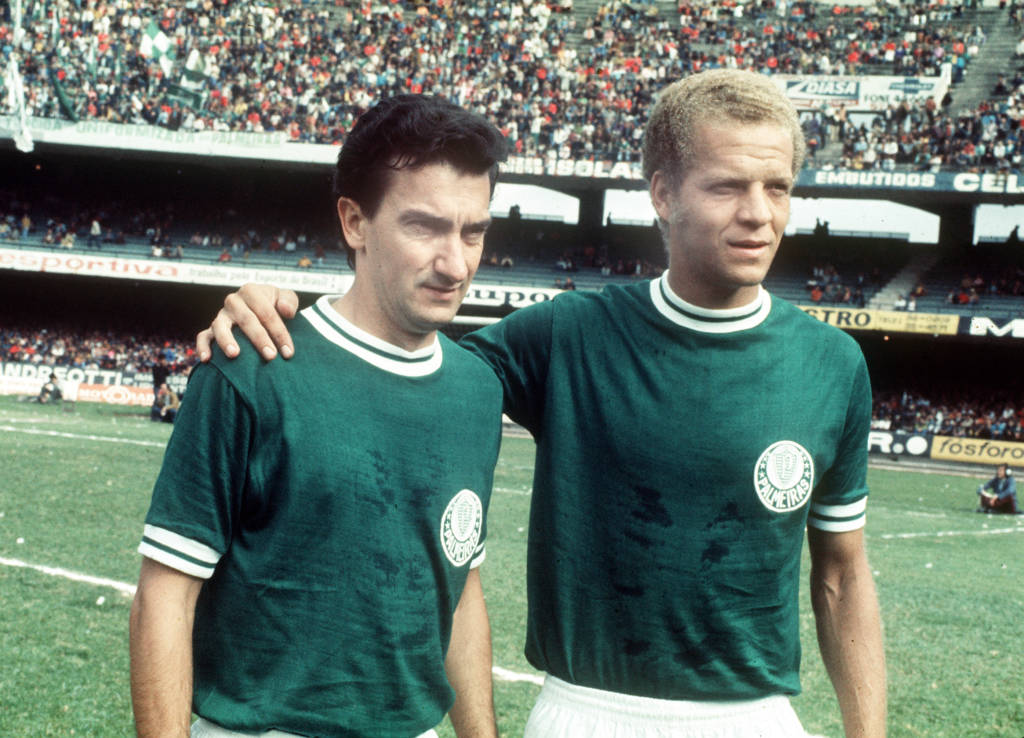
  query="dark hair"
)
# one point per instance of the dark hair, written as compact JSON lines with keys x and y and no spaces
{"x":409,"y":131}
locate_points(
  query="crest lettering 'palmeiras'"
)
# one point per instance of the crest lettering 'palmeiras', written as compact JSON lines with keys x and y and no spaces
{"x":784,"y":476}
{"x":460,"y":527}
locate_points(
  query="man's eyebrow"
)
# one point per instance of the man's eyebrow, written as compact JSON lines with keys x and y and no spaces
{"x":438,"y":222}
{"x":731,"y":180}
{"x":422,"y":217}
{"x":479,"y":225}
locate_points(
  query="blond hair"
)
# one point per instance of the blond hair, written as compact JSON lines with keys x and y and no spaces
{"x":714,"y":97}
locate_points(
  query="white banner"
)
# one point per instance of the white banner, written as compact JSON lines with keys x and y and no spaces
{"x":861,"y":93}
{"x":117,"y":136}
{"x":301,"y":280}
{"x":90,"y":265}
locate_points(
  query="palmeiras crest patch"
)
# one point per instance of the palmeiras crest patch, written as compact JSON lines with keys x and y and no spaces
{"x":461,"y":525}
{"x":784,"y":476}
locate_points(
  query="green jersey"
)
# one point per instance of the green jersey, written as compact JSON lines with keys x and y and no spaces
{"x":335,"y":504}
{"x":681,"y":452}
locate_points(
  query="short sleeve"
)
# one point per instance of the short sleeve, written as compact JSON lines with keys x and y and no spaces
{"x":839,"y":502}
{"x":198,"y":492}
{"x":517,"y":348}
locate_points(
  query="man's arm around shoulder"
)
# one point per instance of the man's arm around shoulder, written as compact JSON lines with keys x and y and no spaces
{"x":468,"y":664}
{"x":160,"y":642}
{"x":849,"y":629}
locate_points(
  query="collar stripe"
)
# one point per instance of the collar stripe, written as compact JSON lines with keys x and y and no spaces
{"x":341,"y":332}
{"x":704,"y":320}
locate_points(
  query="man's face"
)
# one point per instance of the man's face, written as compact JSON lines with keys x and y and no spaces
{"x":1000,"y":471}
{"x":727,"y":216}
{"x":417,"y":255}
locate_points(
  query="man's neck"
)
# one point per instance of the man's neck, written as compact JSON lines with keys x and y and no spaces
{"x":353,"y":309}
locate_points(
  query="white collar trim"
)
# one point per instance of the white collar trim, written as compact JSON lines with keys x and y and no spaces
{"x":340,"y":331}
{"x":705,"y":320}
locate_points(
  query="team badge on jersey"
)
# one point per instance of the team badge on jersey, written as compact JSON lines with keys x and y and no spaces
{"x":461,"y":525}
{"x":784,"y":476}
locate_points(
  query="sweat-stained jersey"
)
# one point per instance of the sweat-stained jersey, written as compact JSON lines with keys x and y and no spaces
{"x":335,"y":504}
{"x":681,"y":452}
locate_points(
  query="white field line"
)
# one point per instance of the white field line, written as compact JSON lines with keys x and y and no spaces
{"x":500,"y":673}
{"x":54,"y":571}
{"x":950,"y":533}
{"x":80,"y":436}
{"x":922,"y":468}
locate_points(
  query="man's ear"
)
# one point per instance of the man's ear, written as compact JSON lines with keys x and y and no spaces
{"x":661,"y":195}
{"x":353,"y":222}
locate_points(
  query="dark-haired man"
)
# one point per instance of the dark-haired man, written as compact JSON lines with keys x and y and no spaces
{"x":689,"y":430}
{"x":310,"y":557}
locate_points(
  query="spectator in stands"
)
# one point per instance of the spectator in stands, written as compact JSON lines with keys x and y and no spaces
{"x":999,"y":494}
{"x":94,"y":241}
{"x":160,"y":371}
{"x":264,"y":68}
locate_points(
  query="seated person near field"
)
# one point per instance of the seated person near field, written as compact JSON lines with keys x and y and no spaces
{"x":49,"y":392}
{"x":165,"y":404}
{"x":999,"y":494}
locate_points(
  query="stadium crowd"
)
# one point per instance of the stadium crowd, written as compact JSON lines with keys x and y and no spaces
{"x":960,"y":412}
{"x":930,"y":137}
{"x":309,"y":69}
{"x":78,"y":224}
{"x":95,"y":350}
{"x":970,"y":290}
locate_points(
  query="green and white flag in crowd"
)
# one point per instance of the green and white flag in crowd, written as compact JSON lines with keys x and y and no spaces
{"x":16,"y":102}
{"x":194,"y":74}
{"x":66,"y":106}
{"x":19,"y":30}
{"x":156,"y":45}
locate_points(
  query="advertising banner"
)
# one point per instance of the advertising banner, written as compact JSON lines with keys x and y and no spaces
{"x":860,"y":93}
{"x":899,"y":443}
{"x":982,"y":326}
{"x":274,"y":145}
{"x":945,"y":448}
{"x":163,"y":270}
{"x":977,"y":450}
{"x":885,"y":320}
{"x":109,"y":394}
{"x":226,"y":275}
{"x":996,"y":183}
{"x":88,"y":385}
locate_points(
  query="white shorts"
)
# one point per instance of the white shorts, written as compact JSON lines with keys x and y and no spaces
{"x":565,"y":710}
{"x":203,"y":728}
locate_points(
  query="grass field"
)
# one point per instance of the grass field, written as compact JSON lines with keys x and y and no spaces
{"x":75,"y":488}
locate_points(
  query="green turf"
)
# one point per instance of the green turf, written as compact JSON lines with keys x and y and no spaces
{"x":953,"y":604}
